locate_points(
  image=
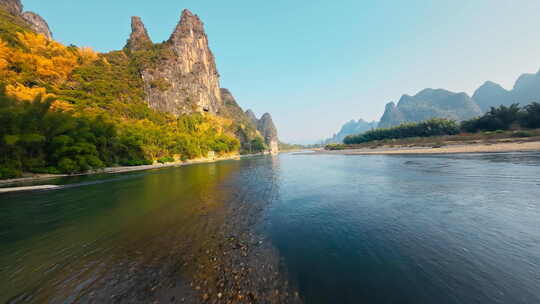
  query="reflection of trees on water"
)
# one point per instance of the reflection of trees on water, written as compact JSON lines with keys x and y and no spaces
{"x":132,"y":221}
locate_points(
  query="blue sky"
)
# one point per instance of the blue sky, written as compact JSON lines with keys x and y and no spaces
{"x":317,"y":64}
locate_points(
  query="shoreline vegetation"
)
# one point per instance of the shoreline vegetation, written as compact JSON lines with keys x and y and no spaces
{"x":70,"y":110}
{"x":31,"y":177}
{"x":502,"y":129}
{"x":463,"y":143}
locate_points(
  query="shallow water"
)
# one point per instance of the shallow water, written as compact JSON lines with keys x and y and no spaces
{"x":349,"y":229}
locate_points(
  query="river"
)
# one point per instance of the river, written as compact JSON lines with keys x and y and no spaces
{"x":321,"y":228}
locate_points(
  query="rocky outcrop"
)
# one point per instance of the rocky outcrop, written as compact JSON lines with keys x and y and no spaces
{"x":180,"y":77}
{"x":33,"y":20}
{"x":269,"y":132}
{"x":185,"y":78}
{"x":139,"y":38}
{"x":37,"y":24}
{"x":428,"y":104}
{"x":491,"y":94}
{"x":267,"y":129}
{"x":14,"y":7}
{"x":391,"y":117}
{"x":351,"y":128}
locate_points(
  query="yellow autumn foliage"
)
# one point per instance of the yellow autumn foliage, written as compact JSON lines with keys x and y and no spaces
{"x":5,"y":53}
{"x":40,"y":60}
{"x":87,"y":55}
{"x":38,"y":44}
{"x":215,"y":122}
{"x":62,"y":106}
{"x":23,"y":93}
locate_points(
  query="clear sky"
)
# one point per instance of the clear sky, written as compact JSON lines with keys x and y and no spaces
{"x":316,"y":64}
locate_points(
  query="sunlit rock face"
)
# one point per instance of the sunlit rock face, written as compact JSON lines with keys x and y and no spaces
{"x":180,"y":77}
{"x":38,"y":24}
{"x":139,"y":38}
{"x":33,"y":20}
{"x":184,"y":79}
{"x":14,"y":7}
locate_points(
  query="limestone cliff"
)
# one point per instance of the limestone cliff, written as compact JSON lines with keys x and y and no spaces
{"x":183,"y":76}
{"x":14,"y":7}
{"x":37,"y":24}
{"x":265,"y":125}
{"x":269,"y":132}
{"x":33,"y":20}
{"x":180,"y":77}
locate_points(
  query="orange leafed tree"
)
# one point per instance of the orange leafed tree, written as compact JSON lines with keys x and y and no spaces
{"x":39,"y":62}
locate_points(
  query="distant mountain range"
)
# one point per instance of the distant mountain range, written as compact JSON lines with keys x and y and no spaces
{"x":440,"y":103}
{"x":350,"y":128}
{"x":525,"y":90}
{"x":430,"y":103}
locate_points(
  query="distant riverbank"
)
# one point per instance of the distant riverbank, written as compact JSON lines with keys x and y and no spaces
{"x":508,"y":145}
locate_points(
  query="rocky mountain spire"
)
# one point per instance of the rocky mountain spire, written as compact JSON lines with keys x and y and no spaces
{"x":185,"y":80}
{"x":139,"y":38}
{"x":33,"y":20}
{"x":190,"y":26}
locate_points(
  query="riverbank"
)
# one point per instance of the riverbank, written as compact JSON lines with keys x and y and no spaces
{"x":481,"y":146}
{"x":30,"y":178}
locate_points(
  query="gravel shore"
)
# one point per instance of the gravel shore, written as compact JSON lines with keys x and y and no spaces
{"x":487,"y":147}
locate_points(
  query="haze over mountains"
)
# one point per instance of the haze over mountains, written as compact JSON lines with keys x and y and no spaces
{"x":440,"y":103}
{"x":430,"y":103}
{"x":349,"y":128}
{"x":525,"y":90}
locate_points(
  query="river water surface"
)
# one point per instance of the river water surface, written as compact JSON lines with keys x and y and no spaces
{"x":346,"y":229}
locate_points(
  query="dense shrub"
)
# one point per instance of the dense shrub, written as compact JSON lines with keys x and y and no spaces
{"x":433,"y":127}
{"x":505,"y":118}
{"x":334,"y":147}
{"x":257,"y":145}
{"x":68,"y":109}
{"x":522,"y":134}
{"x":531,"y":116}
{"x":501,"y":118}
{"x":165,"y":160}
{"x":34,"y":138}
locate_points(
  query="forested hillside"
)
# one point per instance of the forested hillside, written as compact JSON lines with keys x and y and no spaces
{"x":66,"y":109}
